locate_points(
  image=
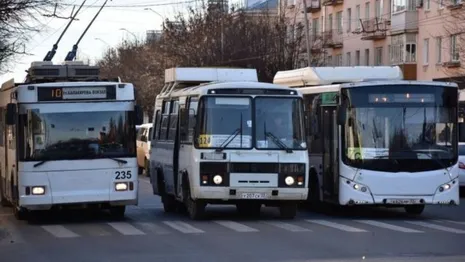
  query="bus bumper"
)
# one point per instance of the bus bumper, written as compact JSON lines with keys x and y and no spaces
{"x":250,"y":193}
{"x":359,"y":194}
{"x":36,"y":193}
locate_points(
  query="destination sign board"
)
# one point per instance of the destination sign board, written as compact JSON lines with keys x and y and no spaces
{"x":76,"y":93}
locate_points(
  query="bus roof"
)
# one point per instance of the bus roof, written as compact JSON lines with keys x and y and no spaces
{"x":203,"y":88}
{"x":314,"y":76}
{"x":204,"y":74}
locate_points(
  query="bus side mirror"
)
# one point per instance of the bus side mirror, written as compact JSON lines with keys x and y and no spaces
{"x":139,"y":115}
{"x":11,"y":114}
{"x":341,"y":116}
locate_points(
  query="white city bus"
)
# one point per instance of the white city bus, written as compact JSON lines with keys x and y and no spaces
{"x":67,"y":139}
{"x":230,"y":140}
{"x":375,"y":139}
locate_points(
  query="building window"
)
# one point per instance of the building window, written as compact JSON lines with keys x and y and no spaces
{"x":339,"y":22}
{"x":427,"y":4}
{"x":438,"y":50}
{"x":441,"y":4}
{"x":454,"y":52}
{"x":357,"y":17}
{"x":367,"y":10}
{"x":426,"y":51}
{"x":367,"y":57}
{"x":338,"y":60}
{"x":401,"y":5}
{"x":378,"y":9}
{"x":403,"y":49}
{"x":315,"y":27}
{"x":357,"y":57}
{"x":348,"y":59}
{"x":378,"y":56}
{"x":329,"y":26}
{"x":349,"y":20}
{"x":329,"y":61}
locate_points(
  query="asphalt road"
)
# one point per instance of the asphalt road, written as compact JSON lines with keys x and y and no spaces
{"x":148,"y":234}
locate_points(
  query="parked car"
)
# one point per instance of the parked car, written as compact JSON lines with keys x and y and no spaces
{"x":144,"y":134}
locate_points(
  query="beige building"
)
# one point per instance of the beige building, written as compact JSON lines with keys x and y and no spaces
{"x":408,"y":33}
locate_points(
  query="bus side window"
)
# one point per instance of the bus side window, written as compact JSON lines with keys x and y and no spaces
{"x":183,"y":125}
{"x":192,"y":119}
{"x":173,"y":121}
{"x":156,"y":126}
{"x":2,"y":127}
{"x":164,"y":121}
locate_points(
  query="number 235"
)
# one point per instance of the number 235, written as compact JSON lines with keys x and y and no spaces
{"x":123,"y":174}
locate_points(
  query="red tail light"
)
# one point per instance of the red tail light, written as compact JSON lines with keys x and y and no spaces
{"x":461,"y":165}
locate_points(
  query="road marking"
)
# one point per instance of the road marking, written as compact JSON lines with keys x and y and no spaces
{"x":236,"y":226}
{"x":389,"y":226}
{"x":451,"y":221}
{"x":287,"y":226}
{"x":437,"y":227}
{"x":153,"y":228}
{"x":183,"y":227}
{"x":126,"y":229}
{"x":60,"y":231}
{"x":336,"y":225}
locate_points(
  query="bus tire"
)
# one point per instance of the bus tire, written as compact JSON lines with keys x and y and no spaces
{"x":249,"y":209}
{"x":20,"y":213}
{"x":288,"y":210}
{"x":146,"y":170}
{"x":195,"y":208}
{"x":3,"y":201}
{"x":414,"y":209}
{"x":117,"y":212}
{"x":313,"y":199}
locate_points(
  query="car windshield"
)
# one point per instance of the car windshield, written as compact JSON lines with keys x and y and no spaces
{"x":394,"y":130}
{"x":279,"y":119}
{"x":224,"y":119}
{"x":76,"y":135}
{"x":462,"y":149}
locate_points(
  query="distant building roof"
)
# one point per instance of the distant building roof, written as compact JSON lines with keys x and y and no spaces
{"x":264,"y":4}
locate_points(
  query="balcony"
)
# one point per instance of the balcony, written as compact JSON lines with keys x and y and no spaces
{"x":332,"y":39}
{"x":314,"y":6}
{"x":404,"y":22}
{"x":374,"y":29}
{"x":332,"y":2}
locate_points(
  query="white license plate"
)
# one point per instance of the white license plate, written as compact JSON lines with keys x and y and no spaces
{"x":253,"y":195}
{"x":403,"y":201}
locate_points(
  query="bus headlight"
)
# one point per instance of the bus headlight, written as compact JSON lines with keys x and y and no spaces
{"x":289,"y":181}
{"x":444,"y":187}
{"x":121,"y":186}
{"x":360,"y":188}
{"x":38,"y":190}
{"x":217,"y":179}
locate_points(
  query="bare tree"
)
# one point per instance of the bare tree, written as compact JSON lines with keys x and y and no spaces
{"x":14,"y":30}
{"x":207,"y":37}
{"x":454,"y":44}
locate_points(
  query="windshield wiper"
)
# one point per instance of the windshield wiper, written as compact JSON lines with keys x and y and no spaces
{"x":278,"y":142}
{"x":121,"y":161}
{"x":231,"y":137}
{"x":229,"y":140}
{"x":40,"y":163}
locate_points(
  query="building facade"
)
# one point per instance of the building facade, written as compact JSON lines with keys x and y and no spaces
{"x":413,"y":34}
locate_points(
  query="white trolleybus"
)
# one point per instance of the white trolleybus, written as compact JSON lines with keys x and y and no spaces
{"x":222,"y":137}
{"x":67,"y":139}
{"x":375,"y":139}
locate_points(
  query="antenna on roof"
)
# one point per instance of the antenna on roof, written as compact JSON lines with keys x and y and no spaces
{"x":72,"y":54}
{"x":52,"y":52}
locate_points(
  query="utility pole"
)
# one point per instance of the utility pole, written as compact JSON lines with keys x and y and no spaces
{"x":307,"y":36}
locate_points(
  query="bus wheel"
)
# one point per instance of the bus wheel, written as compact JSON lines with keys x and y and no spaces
{"x":3,"y":201}
{"x":249,"y":209}
{"x":117,"y":212}
{"x":169,"y":203}
{"x":288,"y":210}
{"x":146,"y":170}
{"x":20,"y":213}
{"x":414,"y":209}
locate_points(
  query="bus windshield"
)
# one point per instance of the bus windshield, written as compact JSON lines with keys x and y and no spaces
{"x":400,"y":128}
{"x":76,"y":135}
{"x":227,"y":122}
{"x":279,"y":119}
{"x":223,"y":120}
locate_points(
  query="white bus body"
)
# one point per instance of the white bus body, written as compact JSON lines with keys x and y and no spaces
{"x":375,"y":139}
{"x":68,"y":144}
{"x":193,"y":165}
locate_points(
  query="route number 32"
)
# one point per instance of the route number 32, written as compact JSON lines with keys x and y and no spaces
{"x":123,"y":174}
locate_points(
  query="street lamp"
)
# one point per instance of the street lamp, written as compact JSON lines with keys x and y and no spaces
{"x":124,"y":29}
{"x":103,"y":41}
{"x":155,"y":12}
